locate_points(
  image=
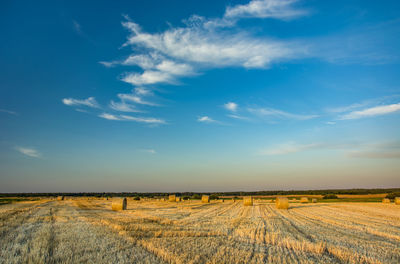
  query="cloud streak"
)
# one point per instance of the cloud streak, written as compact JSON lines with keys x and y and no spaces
{"x":30,"y":152}
{"x":371,"y":112}
{"x":278,"y":9}
{"x":231,"y":106}
{"x":279,"y":114}
{"x":89,"y":102}
{"x":8,"y":112}
{"x":380,"y":150}
{"x":206,"y":119}
{"x":147,"y":120}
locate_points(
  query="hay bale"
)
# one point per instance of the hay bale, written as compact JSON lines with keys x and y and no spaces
{"x":178,"y":199}
{"x":60,"y":198}
{"x":304,"y":200}
{"x":385,"y":200}
{"x":397,"y":200}
{"x":282,"y":203}
{"x":205,"y":199}
{"x":248,"y":201}
{"x":118,"y":204}
{"x":172,"y":198}
{"x":314,"y":200}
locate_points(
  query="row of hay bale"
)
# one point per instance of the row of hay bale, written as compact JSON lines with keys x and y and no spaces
{"x":387,"y":200}
{"x":280,"y":202}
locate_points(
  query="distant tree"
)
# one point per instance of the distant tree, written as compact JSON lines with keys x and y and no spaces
{"x":196,"y":196}
{"x":330,"y":196}
{"x":186,"y":197}
{"x":393,"y":195}
{"x":214,"y":197}
{"x":137,"y":198}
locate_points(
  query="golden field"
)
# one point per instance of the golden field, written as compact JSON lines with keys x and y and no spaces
{"x":151,"y":231}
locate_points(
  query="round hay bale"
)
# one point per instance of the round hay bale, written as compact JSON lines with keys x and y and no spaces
{"x":118,"y":204}
{"x":314,"y":200}
{"x":385,"y":200}
{"x":205,"y":199}
{"x":397,"y":200}
{"x":178,"y":199}
{"x":60,"y":198}
{"x":248,"y":201}
{"x":304,"y":200}
{"x":172,"y":198}
{"x":282,"y":203}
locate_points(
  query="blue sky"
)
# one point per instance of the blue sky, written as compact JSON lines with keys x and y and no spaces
{"x":199,"y":95}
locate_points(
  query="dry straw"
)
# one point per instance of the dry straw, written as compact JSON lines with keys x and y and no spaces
{"x":205,"y":199}
{"x":304,"y":200}
{"x":385,"y":200}
{"x":60,"y":198}
{"x":282,"y":203}
{"x":172,"y":198}
{"x":118,"y":204}
{"x":248,"y":201}
{"x":397,"y":200}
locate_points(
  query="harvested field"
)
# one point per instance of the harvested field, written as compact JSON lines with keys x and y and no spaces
{"x":88,"y":231}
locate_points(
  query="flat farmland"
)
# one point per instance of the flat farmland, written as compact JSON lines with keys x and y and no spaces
{"x":88,"y":231}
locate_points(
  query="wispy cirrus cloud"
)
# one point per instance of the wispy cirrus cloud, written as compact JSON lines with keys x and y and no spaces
{"x":9,"y":112}
{"x":31,"y":152}
{"x":289,"y":147}
{"x":123,"y":107}
{"x":147,"y":120}
{"x":206,"y":119}
{"x":278,"y":9}
{"x":371,"y":112}
{"x":89,"y":102}
{"x":279,"y":114}
{"x":377,"y":150}
{"x":150,"y":151}
{"x":231,"y":106}
{"x":203,"y":43}
{"x":134,"y":98}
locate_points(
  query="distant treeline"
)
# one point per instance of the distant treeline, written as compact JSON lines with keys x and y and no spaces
{"x":198,"y":194}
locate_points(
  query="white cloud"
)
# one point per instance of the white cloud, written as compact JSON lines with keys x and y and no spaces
{"x":8,"y":112}
{"x":279,"y":9}
{"x":31,"y":152}
{"x":373,"y":111}
{"x":148,"y":120}
{"x":197,"y":45}
{"x":109,"y":116}
{"x":135,"y":99}
{"x":238,"y":117}
{"x":206,"y":119}
{"x":123,"y":107}
{"x":151,"y":151}
{"x":77,"y":27}
{"x":275,"y":113}
{"x":148,"y":77}
{"x":90,"y":102}
{"x":330,"y":123}
{"x":288,"y":148}
{"x":231,"y":106}
{"x":143,"y":91}
{"x":386,"y":149}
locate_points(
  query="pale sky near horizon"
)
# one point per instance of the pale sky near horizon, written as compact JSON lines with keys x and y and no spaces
{"x":148,"y":96}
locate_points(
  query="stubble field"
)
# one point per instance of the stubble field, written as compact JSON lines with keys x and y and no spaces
{"x":87,"y":231}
